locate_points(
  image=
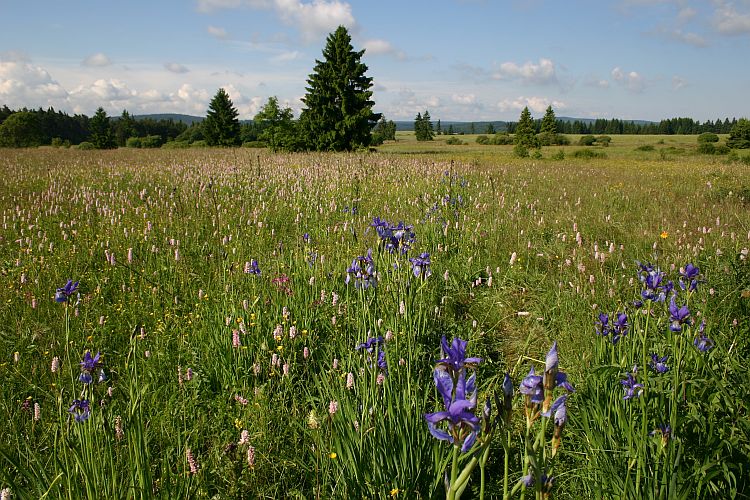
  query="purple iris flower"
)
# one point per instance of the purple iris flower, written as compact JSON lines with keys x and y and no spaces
{"x":532,"y":387}
{"x":551,"y":360}
{"x":420,"y":266}
{"x":459,"y":401}
{"x":382,"y":363}
{"x":64,"y":293}
{"x":602,"y":327}
{"x":253,"y":269}
{"x":81,"y":408}
{"x":88,"y":365}
{"x":620,"y":327}
{"x":306,"y":237}
{"x":552,"y":376}
{"x":398,"y":237}
{"x":362,"y":271}
{"x":455,"y":359}
{"x":370,"y":344}
{"x":664,"y":429}
{"x":689,"y":277}
{"x":632,"y":389}
{"x":558,"y":410}
{"x":678,"y":316}
{"x":659,"y":364}
{"x":701,"y":342}
{"x":652,"y":280}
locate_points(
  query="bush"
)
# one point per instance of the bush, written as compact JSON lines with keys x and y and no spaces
{"x":708,"y":137}
{"x":501,"y":139}
{"x":254,"y":144}
{"x":151,"y":141}
{"x":587,"y":140}
{"x":739,"y":136}
{"x":537,"y":154}
{"x":133,"y":142}
{"x":176,"y":145}
{"x":199,"y":144}
{"x":86,"y":146}
{"x":588,"y":153}
{"x":604,"y":140}
{"x":454,"y":141}
{"x":721,"y":149}
{"x":57,"y":142}
{"x":560,"y":155}
{"x":739,"y":143}
{"x":645,"y":147}
{"x":706,"y":148}
{"x":483,"y":139}
{"x":520,"y":151}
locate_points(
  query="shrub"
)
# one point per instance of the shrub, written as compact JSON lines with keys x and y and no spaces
{"x":254,"y":144}
{"x":199,"y":144}
{"x":721,"y":149}
{"x":645,"y":147}
{"x":537,"y":154}
{"x":587,"y":140}
{"x":520,"y":151}
{"x":454,"y":141}
{"x":708,"y":137}
{"x":86,"y":146}
{"x":501,"y":139}
{"x":706,"y":148}
{"x":588,"y":153}
{"x":483,"y":139}
{"x":604,"y":140}
{"x":739,"y":136}
{"x":57,"y":142}
{"x":133,"y":142}
{"x":560,"y":155}
{"x":151,"y":141}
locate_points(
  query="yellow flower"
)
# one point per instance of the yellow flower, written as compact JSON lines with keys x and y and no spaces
{"x":332,"y":455}
{"x":280,"y":348}
{"x":394,"y":492}
{"x":664,"y":235}
{"x":238,"y":423}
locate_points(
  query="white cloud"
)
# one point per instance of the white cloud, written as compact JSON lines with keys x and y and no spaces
{"x":536,"y":104}
{"x":96,"y":60}
{"x":286,"y":56}
{"x":23,"y":84}
{"x":104,"y":90}
{"x":175,"y":68}
{"x":729,"y":21}
{"x":212,"y":5}
{"x":632,"y":81}
{"x":678,"y":82}
{"x":376,"y":47}
{"x":529,"y":72}
{"x":217,"y":32}
{"x":464,"y":99}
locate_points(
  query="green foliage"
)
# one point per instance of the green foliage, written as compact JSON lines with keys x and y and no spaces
{"x":175,"y":145}
{"x":101,"y":131}
{"x":706,"y":148}
{"x":199,"y":144}
{"x":549,"y":123}
{"x":454,"y":141}
{"x":151,"y":141}
{"x":338,"y":107}
{"x":254,"y":144}
{"x":526,"y":130}
{"x":423,"y":127}
{"x":124,"y":128}
{"x":588,"y":153}
{"x":587,"y":140}
{"x":277,"y":126}
{"x":603,"y":140}
{"x":490,"y":129}
{"x":221,"y":126}
{"x":21,"y":130}
{"x":646,"y":147}
{"x":550,"y":139}
{"x":739,"y":137}
{"x":133,"y":142}
{"x":560,"y":155}
{"x":87,"y":146}
{"x":537,"y":154}
{"x":385,"y":130}
{"x":708,"y":137}
{"x":483,"y":139}
{"x":191,"y":134}
{"x":721,"y":149}
{"x":520,"y":151}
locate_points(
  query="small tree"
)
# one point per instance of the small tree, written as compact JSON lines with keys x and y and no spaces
{"x":101,"y":131}
{"x":124,"y":128}
{"x":276,"y":124}
{"x":221,"y":126}
{"x":423,"y":127}
{"x":526,"y":130}
{"x":21,"y":130}
{"x":739,"y":136}
{"x":338,"y":107}
{"x":549,"y":122}
{"x":385,"y":130}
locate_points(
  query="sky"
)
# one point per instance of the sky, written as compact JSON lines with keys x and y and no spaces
{"x":463,"y":60}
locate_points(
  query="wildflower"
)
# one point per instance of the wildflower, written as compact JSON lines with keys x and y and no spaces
{"x":455,"y":359}
{"x":632,"y":389}
{"x":394,"y":492}
{"x":81,"y":409}
{"x":398,"y":237}
{"x":421,"y":266}
{"x":5,"y":494}
{"x":55,"y":367}
{"x":664,"y":430}
{"x":37,"y":412}
{"x":244,"y":437}
{"x":64,"y":293}
{"x":306,"y":352}
{"x":251,"y":457}
{"x":678,"y":316}
{"x":349,"y":380}
{"x":88,"y":365}
{"x":312,"y":420}
{"x":620,"y":327}
{"x":362,"y":271}
{"x":252,"y":267}
{"x":532,"y":387}
{"x":333,"y":407}
{"x":689,"y":277}
{"x":191,"y":461}
{"x":463,"y":424}
{"x":380,"y":379}
{"x":664,"y":235}
{"x":507,"y":398}
{"x":371,"y":344}
{"x":553,"y":377}
{"x":332,"y":455}
{"x":658,"y":364}
{"x":118,"y":428}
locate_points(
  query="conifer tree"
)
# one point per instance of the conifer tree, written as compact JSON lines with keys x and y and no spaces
{"x":101,"y":131}
{"x":549,"y":122}
{"x":423,"y":127}
{"x":526,"y":130}
{"x":221,"y":126}
{"x":338,"y":107}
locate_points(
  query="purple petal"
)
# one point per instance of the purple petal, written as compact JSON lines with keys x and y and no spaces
{"x":439,"y":433}
{"x":469,"y":442}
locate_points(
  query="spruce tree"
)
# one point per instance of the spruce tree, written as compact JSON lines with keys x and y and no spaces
{"x":101,"y":132}
{"x":549,"y":122}
{"x":338,"y":107}
{"x":276,"y":125}
{"x":221,"y":126}
{"x":526,"y":130}
{"x":423,"y":130}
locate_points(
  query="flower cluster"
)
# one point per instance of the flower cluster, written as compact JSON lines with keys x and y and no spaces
{"x":362,"y":271}
{"x":420,"y":266}
{"x":88,"y":366}
{"x":655,"y":289}
{"x":539,"y":389}
{"x":81,"y":409}
{"x":394,"y":237}
{"x":618,"y":328}
{"x":374,"y":346}
{"x":632,"y":388}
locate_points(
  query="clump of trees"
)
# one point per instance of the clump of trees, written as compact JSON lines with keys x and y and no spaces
{"x":423,"y":127}
{"x":739,"y":136}
{"x":385,"y":130}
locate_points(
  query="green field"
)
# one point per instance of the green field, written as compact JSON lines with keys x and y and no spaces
{"x":522,"y":252}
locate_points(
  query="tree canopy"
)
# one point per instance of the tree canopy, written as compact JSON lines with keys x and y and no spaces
{"x":338,"y":112}
{"x":221,"y":126}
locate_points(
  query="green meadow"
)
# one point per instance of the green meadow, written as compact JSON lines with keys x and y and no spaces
{"x":227,"y":291}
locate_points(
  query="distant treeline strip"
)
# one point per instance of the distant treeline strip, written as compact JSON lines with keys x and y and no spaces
{"x":671,"y":126}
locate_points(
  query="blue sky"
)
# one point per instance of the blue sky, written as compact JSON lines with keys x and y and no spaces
{"x":460,"y":59}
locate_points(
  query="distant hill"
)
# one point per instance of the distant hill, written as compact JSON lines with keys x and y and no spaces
{"x":176,"y":117}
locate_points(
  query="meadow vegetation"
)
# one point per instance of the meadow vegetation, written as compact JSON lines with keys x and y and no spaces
{"x":236,"y":323}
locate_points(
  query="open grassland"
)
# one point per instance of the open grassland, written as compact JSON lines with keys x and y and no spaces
{"x":228,"y":378}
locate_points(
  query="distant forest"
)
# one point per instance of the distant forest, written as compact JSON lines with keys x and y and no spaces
{"x":60,"y":127}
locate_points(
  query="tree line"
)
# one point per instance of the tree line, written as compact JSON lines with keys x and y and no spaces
{"x":670,"y":126}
